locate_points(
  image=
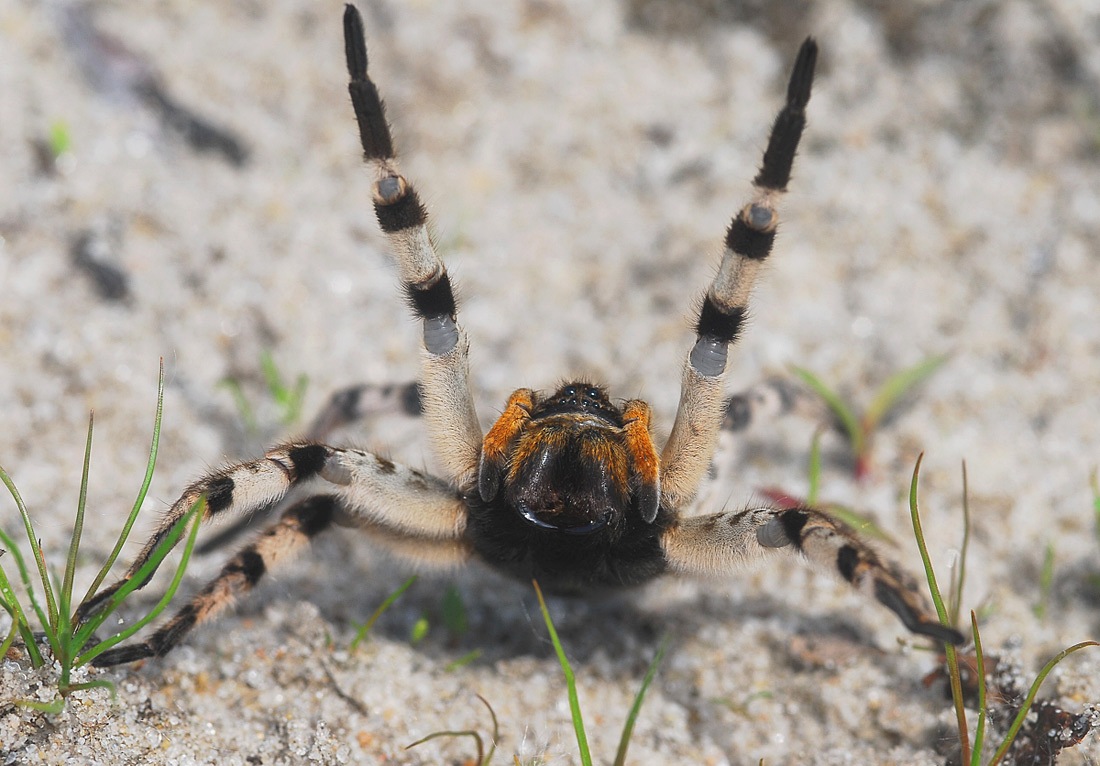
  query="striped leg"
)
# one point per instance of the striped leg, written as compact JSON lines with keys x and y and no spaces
{"x":356,"y":402}
{"x":370,"y":488}
{"x":445,"y":387}
{"x":687,"y":454}
{"x":719,"y":543}
{"x":344,"y":408}
{"x":278,"y":544}
{"x":300,"y":524}
{"x":763,"y":402}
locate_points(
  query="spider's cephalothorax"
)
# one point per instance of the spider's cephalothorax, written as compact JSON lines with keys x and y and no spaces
{"x":568,"y":484}
{"x":569,"y":488}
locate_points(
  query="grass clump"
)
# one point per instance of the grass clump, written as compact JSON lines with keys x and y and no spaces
{"x":1046,"y":730}
{"x":859,"y":429}
{"x":287,"y":397}
{"x":73,"y":644}
{"x":585,"y":752}
{"x":574,"y":700}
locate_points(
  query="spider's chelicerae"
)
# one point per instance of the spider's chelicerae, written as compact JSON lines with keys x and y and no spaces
{"x":567,"y":488}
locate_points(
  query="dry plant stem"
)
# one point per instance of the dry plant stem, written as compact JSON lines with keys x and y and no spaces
{"x":979,"y":733}
{"x":959,"y":575}
{"x":937,"y":600}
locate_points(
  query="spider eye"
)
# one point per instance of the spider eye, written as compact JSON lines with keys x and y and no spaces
{"x":593,"y":393}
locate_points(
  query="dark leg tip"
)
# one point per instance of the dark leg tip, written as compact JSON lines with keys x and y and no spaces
{"x":355,"y":43}
{"x":802,"y":75}
{"x":123,"y":655}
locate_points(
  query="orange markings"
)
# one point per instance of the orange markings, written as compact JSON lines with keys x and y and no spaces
{"x":639,"y":443}
{"x":647,"y":464}
{"x":494,"y":448}
{"x":510,"y":422}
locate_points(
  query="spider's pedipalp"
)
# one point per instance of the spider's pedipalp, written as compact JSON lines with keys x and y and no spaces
{"x":721,"y":543}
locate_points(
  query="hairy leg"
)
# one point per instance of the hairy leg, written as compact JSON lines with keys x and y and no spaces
{"x":686,"y":457}
{"x":368,"y":486}
{"x":720,"y":543}
{"x":445,"y":386}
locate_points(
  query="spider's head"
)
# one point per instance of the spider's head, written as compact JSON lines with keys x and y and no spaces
{"x":579,"y":398}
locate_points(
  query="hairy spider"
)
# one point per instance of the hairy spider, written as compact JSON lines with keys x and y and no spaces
{"x":568,"y":488}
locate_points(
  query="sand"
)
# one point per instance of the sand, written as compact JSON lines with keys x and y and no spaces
{"x":580,"y":162}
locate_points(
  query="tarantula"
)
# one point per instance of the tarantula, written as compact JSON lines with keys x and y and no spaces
{"x":567,"y":488}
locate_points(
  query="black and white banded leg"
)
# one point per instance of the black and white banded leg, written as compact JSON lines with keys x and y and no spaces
{"x":444,"y":380}
{"x":687,"y":454}
{"x":371,"y":491}
{"x":721,"y":543}
{"x":350,"y":405}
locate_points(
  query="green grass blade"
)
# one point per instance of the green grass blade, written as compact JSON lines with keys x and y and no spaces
{"x":1019,"y":720}
{"x":193,"y":517}
{"x":293,"y":409}
{"x":496,"y":731}
{"x":390,"y":599}
{"x":842,"y":411}
{"x":570,"y":680}
{"x":78,"y":525}
{"x":12,"y":633}
{"x":941,"y":610}
{"x":483,"y":758}
{"x":454,"y":612}
{"x":97,"y":684}
{"x":635,"y":709}
{"x":10,"y":604}
{"x":979,"y":732}
{"x":20,"y":562}
{"x":59,"y":139}
{"x":462,"y":661}
{"x":272,"y":377}
{"x":148,"y":480}
{"x":463,"y":733}
{"x":244,"y":409}
{"x":50,"y":708}
{"x":896,"y":387}
{"x":1095,"y":483}
{"x":859,"y":522}
{"x":1046,"y":583}
{"x":815,"y":469}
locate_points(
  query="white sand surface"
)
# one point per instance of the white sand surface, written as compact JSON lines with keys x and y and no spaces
{"x":581,"y":162}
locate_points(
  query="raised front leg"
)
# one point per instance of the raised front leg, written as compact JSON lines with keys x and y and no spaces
{"x":687,"y":454}
{"x":721,"y":543}
{"x":445,"y":386}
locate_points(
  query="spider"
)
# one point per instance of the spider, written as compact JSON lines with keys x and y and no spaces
{"x":567,"y":488}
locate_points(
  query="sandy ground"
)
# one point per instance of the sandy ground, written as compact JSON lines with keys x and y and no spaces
{"x":581,"y":161}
